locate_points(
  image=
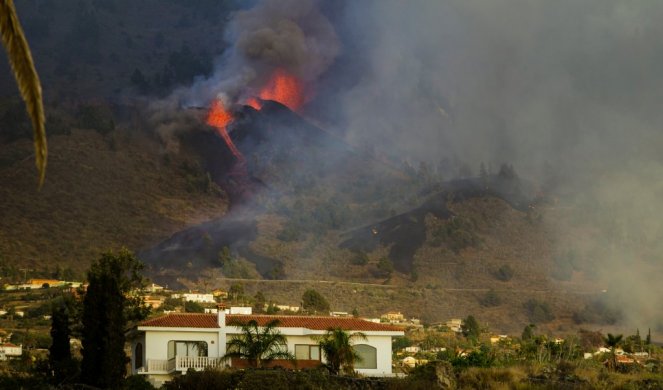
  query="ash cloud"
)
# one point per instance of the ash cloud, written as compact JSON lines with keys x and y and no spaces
{"x":563,"y":89}
{"x":275,"y":34}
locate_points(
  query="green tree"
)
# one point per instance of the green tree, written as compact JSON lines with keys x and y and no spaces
{"x":612,"y":341}
{"x":259,"y":302}
{"x":225,"y":257}
{"x":313,"y":301}
{"x":259,"y":345}
{"x":359,"y":258}
{"x":109,"y":305}
{"x":336,"y":345}
{"x":470,"y":328}
{"x":61,"y":364}
{"x":236,"y":291}
{"x":528,"y":332}
{"x":538,"y":312}
{"x":193,"y":307}
{"x":386,"y":267}
{"x":648,"y":339}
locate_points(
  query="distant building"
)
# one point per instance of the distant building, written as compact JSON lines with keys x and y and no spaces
{"x":40,"y":283}
{"x":455,"y":324}
{"x":9,"y":350}
{"x":340,"y":314}
{"x":218,"y":293}
{"x":245,"y":310}
{"x":498,"y":338}
{"x":195,"y":297}
{"x":412,"y":349}
{"x":153,"y":302}
{"x":393,"y":316}
{"x":411,"y":361}
{"x":294,"y":309}
{"x":153,"y":288}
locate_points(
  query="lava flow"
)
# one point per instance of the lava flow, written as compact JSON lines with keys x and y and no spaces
{"x":219,"y":117}
{"x":282,"y":87}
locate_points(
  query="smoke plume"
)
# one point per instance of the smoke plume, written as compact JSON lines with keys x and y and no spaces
{"x":567,"y":91}
{"x":292,"y":35}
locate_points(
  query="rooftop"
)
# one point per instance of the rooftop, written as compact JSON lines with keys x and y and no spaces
{"x":199,"y":320}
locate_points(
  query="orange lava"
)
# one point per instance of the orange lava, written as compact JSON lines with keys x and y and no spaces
{"x":283,"y":88}
{"x":255,"y":103}
{"x":219,"y":117}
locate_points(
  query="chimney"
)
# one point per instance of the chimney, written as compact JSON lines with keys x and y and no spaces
{"x":221,"y":315}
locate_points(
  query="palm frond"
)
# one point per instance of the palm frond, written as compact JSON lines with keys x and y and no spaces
{"x":26,"y":76}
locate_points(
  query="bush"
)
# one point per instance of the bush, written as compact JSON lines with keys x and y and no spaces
{"x":491,"y":299}
{"x":359,"y":258}
{"x":259,"y":379}
{"x":193,"y":307}
{"x":314,"y":301}
{"x":538,"y":312}
{"x":137,"y":382}
{"x":504,"y":273}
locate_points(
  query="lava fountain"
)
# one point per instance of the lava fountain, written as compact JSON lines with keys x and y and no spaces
{"x":219,"y":117}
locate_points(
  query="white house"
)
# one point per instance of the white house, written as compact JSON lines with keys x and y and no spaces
{"x":169,"y":345}
{"x":232,"y":310}
{"x":8,"y":350}
{"x":195,"y":297}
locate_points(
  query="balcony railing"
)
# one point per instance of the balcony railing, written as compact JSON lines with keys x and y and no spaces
{"x":198,"y":363}
{"x":180,"y":363}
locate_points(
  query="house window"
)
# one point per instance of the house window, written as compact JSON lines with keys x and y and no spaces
{"x":368,"y":356}
{"x":138,"y":356}
{"x":307,"y":352}
{"x":186,"y":348}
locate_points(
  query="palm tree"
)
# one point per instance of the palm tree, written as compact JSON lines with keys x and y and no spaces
{"x":259,"y":345}
{"x":26,"y":76}
{"x":613,"y":342}
{"x":336,"y":345}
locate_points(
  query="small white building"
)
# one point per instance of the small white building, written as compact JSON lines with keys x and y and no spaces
{"x":153,"y":288}
{"x":293,"y":309}
{"x":246,"y":310}
{"x":166,"y":346}
{"x":9,"y":350}
{"x":195,"y":297}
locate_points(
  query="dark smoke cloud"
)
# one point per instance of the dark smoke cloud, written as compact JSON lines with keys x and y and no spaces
{"x":288,"y":34}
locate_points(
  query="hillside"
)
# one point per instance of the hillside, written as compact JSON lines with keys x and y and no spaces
{"x":100,"y":193}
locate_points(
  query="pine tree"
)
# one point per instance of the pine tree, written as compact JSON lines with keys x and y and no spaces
{"x":107,"y":308}
{"x":59,"y":357}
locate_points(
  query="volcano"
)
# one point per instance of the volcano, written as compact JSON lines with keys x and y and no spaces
{"x":308,"y":177}
{"x":270,"y":137}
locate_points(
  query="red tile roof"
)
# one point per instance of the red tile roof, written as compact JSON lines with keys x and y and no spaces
{"x":197,"y":320}
{"x":314,"y":323}
{"x":183,"y":320}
